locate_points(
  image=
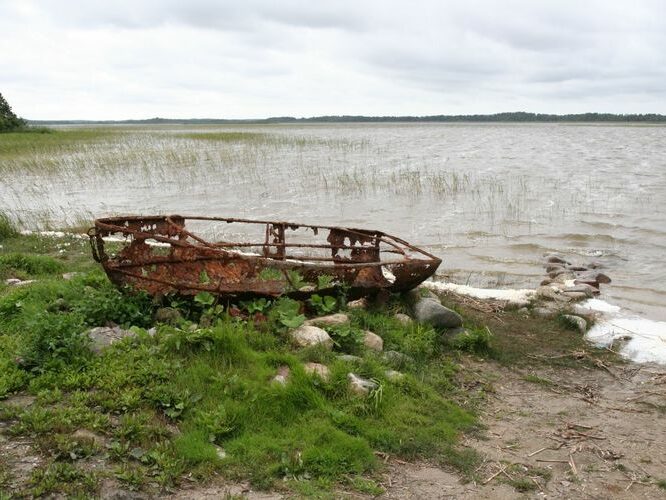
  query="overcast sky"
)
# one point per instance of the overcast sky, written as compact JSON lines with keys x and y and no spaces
{"x":116,"y":59}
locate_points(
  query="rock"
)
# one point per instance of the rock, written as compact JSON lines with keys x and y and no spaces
{"x":557,"y":272}
{"x":168,"y":315}
{"x":20,"y":400}
{"x":544,"y":312}
{"x":550,"y":293}
{"x":403,"y":318}
{"x":359,"y":385}
{"x":361,"y":303}
{"x":18,"y":282}
{"x":577,"y":268}
{"x":555,"y":259}
{"x":393,"y":375}
{"x":282,"y":376}
{"x":152,"y":331}
{"x":307,"y":335}
{"x":71,"y":275}
{"x":576,"y":296}
{"x":596,"y":265}
{"x":86,"y":435}
{"x":583,"y":288}
{"x":594,"y":276}
{"x":102,"y":337}
{"x":591,"y":283}
{"x":576,"y":321}
{"x":417,"y":294}
{"x":397,"y":359}
{"x":318,"y":369}
{"x":431,"y":311}
{"x":330,"y":320}
{"x":546,"y":282}
{"x":372,"y":341}
{"x":563,"y":278}
{"x":554,"y":267}
{"x":350,"y":358}
{"x":523,"y":311}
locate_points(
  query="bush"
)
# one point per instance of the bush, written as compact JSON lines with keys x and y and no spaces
{"x":53,"y":341}
{"x":33,"y":265}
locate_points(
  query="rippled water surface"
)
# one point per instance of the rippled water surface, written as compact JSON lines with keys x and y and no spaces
{"x":490,"y":199}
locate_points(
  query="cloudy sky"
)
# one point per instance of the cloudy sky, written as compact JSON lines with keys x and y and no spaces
{"x":90,"y":59}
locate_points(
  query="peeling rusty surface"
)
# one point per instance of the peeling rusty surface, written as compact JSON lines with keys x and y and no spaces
{"x":160,"y":255}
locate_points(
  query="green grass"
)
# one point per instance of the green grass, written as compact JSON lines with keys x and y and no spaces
{"x":199,"y":400}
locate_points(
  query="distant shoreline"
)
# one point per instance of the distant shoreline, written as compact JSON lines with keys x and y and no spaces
{"x":518,"y":117}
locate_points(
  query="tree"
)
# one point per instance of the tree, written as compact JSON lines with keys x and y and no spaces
{"x":8,"y":120}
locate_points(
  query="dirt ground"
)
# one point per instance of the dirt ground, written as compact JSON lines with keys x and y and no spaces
{"x":556,"y":433}
{"x":565,"y":433}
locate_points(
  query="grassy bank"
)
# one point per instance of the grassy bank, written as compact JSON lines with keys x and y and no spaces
{"x":194,"y":397}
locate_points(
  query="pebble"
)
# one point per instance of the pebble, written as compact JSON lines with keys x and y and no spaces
{"x":282,"y":376}
{"x":372,"y":341}
{"x":307,"y":335}
{"x":580,"y":323}
{"x":359,"y":385}
{"x":102,"y":337}
{"x":330,"y":320}
{"x":394,"y":375}
{"x":403,"y":318}
{"x":318,"y":369}
{"x":361,"y":303}
{"x":431,"y":311}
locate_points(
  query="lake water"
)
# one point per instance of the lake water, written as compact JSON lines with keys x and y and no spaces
{"x":490,"y":199}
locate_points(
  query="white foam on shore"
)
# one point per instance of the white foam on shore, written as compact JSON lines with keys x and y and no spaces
{"x":644,"y":340}
{"x":518,"y":298}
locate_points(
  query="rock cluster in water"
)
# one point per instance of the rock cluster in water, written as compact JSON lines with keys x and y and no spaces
{"x":567,"y":283}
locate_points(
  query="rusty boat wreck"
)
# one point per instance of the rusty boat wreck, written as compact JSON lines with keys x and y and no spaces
{"x":240,"y":257}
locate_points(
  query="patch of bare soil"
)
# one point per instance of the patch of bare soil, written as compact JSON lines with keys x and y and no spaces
{"x":558,"y":433}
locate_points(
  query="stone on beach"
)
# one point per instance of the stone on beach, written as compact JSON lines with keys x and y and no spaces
{"x":577,"y":321}
{"x":330,"y":320}
{"x":359,"y":385}
{"x":432,"y":312}
{"x":308,"y":335}
{"x":372,"y":341}
{"x":318,"y":369}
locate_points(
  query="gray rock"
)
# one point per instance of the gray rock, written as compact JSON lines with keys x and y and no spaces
{"x":168,"y":315}
{"x":361,"y":303}
{"x":282,"y":376}
{"x":545,"y":282}
{"x":596,"y":265}
{"x":318,"y":369}
{"x":394,"y":375}
{"x":577,"y":321}
{"x":71,"y":275}
{"x":372,"y":341}
{"x":576,"y":296}
{"x":102,"y":337}
{"x":595,"y":276}
{"x":307,"y":335}
{"x":555,"y":259}
{"x":330,"y":320}
{"x":349,"y":358}
{"x":359,"y":385}
{"x":417,"y":294}
{"x":557,"y":272}
{"x":577,"y":268}
{"x":544,"y":312}
{"x":583,"y":288}
{"x":550,"y":293}
{"x":403,"y":318}
{"x":554,"y":267}
{"x":432,"y":312}
{"x":18,"y":282}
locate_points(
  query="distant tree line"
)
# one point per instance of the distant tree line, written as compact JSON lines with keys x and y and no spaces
{"x":515,"y":117}
{"x":8,"y":120}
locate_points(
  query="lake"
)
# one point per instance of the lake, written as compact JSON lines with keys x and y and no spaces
{"x":489,"y":199}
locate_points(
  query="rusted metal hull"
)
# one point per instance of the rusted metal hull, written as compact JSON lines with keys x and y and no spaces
{"x":160,"y":255}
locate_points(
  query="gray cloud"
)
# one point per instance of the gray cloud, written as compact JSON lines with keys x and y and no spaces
{"x":131,"y":59}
